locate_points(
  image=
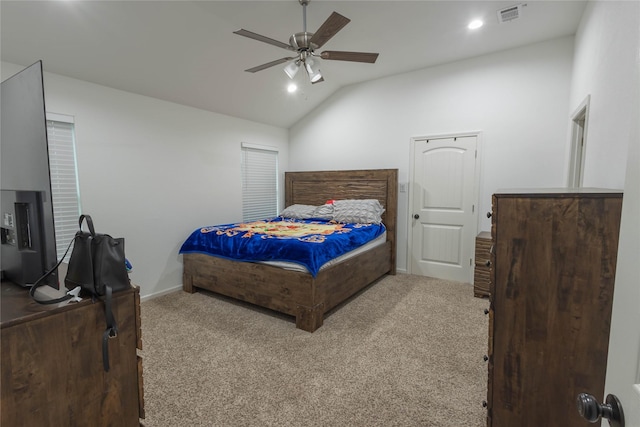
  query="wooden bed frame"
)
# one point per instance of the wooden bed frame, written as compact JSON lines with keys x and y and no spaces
{"x":296,"y":293}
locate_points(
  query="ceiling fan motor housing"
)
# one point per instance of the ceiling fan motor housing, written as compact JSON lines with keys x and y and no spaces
{"x":302,"y":41}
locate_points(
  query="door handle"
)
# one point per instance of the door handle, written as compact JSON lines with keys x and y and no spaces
{"x":591,"y":410}
{"x":416,"y":216}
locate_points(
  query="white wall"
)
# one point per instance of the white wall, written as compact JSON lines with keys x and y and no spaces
{"x":153,"y":171}
{"x":607,"y":58}
{"x":518,"y":99}
{"x":604,"y":68}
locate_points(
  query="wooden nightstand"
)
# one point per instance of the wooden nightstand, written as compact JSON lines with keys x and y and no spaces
{"x":482,"y":271}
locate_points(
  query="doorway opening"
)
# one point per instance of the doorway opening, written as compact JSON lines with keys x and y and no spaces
{"x":579,"y":121}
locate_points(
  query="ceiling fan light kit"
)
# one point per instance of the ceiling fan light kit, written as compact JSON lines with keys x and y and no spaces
{"x":314,"y":75}
{"x":305,"y":44}
{"x":291,"y":69}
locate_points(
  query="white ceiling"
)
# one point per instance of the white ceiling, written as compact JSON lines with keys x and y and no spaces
{"x":185,"y":51}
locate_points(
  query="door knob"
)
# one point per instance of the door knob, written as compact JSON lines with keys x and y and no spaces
{"x":591,"y":410}
{"x":416,"y":216}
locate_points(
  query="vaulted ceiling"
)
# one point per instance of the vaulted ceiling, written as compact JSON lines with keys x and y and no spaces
{"x":185,"y":51}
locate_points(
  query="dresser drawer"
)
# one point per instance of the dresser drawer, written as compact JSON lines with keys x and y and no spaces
{"x":482,"y":271}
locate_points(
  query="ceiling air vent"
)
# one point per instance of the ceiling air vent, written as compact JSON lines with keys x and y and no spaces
{"x":510,"y":13}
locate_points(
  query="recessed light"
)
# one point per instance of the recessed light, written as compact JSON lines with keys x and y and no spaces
{"x":292,"y":87}
{"x":475,"y":24}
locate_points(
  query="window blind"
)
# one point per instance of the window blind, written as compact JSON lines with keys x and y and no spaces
{"x":65,"y":195}
{"x":259,"y":183}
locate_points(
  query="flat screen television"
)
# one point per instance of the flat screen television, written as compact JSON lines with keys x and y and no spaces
{"x":28,"y":244}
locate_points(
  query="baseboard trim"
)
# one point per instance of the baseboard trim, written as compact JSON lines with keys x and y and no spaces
{"x":161,"y":293}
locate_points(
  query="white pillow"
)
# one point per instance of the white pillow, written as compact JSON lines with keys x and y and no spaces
{"x":366,"y":211}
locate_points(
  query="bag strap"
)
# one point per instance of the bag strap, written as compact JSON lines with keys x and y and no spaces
{"x":89,"y":223}
{"x":40,"y":282}
{"x":112,"y":328}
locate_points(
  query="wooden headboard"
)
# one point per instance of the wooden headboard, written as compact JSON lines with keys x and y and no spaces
{"x":315,"y":188}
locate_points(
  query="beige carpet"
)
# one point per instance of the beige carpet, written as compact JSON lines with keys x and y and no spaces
{"x":407,"y":351}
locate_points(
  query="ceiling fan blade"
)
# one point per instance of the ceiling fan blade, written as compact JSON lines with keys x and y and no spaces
{"x":268,"y":65}
{"x":329,"y":28}
{"x":262,"y":38}
{"x":339,"y":55}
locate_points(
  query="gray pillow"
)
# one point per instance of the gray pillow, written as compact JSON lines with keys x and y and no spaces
{"x":324,"y":212}
{"x":308,"y":211}
{"x":366,"y":211}
{"x":298,"y":211}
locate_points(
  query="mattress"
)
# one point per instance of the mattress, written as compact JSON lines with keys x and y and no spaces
{"x":310,"y":243}
{"x":297,"y":267}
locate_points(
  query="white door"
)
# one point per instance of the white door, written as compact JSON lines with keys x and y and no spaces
{"x":623,"y":367}
{"x":443,"y":223}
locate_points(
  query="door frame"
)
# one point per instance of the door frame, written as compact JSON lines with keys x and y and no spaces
{"x":476,"y":189}
{"x":577,"y":146}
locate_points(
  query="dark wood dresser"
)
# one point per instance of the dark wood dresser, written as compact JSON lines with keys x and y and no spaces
{"x":52,"y":372}
{"x":553,"y":272}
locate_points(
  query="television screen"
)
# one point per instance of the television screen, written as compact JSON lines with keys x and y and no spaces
{"x":28,"y":245}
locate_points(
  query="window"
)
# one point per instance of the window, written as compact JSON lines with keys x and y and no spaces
{"x":65,"y":195}
{"x":259,"y":182}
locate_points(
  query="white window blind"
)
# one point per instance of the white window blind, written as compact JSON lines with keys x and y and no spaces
{"x":65,"y":194}
{"x":259,"y":183}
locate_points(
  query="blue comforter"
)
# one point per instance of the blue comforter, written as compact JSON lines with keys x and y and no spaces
{"x":310,"y":243}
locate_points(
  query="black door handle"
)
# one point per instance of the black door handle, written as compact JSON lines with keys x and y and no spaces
{"x":591,"y":410}
{"x":416,"y":216}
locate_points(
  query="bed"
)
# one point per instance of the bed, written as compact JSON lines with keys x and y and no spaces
{"x":298,"y":293}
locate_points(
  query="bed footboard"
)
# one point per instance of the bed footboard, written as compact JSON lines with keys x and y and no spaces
{"x":290,"y":292}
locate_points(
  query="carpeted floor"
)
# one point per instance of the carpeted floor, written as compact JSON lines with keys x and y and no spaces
{"x":407,"y":351}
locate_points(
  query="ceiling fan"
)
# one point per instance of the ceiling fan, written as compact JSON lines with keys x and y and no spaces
{"x":305,"y":44}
